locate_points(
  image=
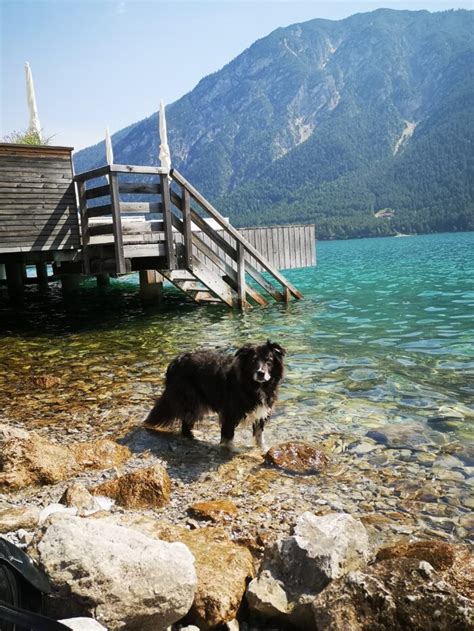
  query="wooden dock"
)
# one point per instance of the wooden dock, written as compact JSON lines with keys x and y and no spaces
{"x":172,"y":230}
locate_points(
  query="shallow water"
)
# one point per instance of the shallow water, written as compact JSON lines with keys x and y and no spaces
{"x":383,"y":335}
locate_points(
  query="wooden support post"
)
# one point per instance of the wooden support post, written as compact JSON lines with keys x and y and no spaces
{"x":117,"y":224}
{"x":15,"y":274}
{"x":167,"y":221}
{"x":70,"y":282}
{"x":103,"y":280}
{"x":187,"y":230}
{"x":241,"y":290}
{"x":42,"y":274}
{"x":151,"y":285}
{"x":3,"y":272}
{"x":85,"y":236}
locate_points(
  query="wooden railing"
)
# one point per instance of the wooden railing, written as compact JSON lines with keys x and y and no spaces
{"x":228,"y":245}
{"x":189,"y":238}
{"x":115,"y":207}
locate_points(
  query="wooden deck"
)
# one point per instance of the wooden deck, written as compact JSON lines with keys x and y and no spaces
{"x":138,"y":218}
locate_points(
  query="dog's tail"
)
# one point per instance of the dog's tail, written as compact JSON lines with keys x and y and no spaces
{"x":163,"y":412}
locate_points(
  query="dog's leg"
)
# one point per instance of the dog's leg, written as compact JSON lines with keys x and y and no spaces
{"x":187,"y":424}
{"x":227,"y":433}
{"x":257,"y":428}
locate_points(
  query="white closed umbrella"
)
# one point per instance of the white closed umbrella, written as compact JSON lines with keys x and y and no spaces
{"x":109,"y":152}
{"x":165,"y":156}
{"x":34,"y":126}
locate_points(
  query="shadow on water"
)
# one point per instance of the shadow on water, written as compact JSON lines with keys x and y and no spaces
{"x":89,"y":308}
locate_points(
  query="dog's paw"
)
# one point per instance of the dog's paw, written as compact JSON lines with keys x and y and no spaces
{"x":230,"y":446}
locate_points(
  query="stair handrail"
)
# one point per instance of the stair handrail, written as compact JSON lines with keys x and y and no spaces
{"x":227,"y":227}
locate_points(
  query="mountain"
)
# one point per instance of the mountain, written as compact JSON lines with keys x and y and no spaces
{"x":363,"y":126}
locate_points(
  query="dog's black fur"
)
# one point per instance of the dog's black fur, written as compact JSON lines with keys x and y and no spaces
{"x":239,"y":387}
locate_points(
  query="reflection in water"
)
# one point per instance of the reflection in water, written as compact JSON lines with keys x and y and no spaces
{"x":384,"y":335}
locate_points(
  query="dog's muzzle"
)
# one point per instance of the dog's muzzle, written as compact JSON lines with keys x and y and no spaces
{"x":261,"y":376}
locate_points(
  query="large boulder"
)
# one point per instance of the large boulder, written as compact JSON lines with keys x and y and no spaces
{"x":145,"y":488}
{"x":297,"y":457}
{"x":223,"y":571}
{"x":298,"y":567}
{"x":120,"y":576}
{"x":395,"y":594}
{"x":28,"y":459}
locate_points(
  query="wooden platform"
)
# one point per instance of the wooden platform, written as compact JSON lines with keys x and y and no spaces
{"x":139,"y":218}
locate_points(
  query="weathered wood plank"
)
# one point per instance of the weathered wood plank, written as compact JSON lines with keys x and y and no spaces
{"x":99,"y":211}
{"x":9,"y":179}
{"x":241,"y":287}
{"x":98,"y":191}
{"x":34,"y":187}
{"x":128,"y":188}
{"x":136,"y":228}
{"x":166,"y":201}
{"x":117,"y":224}
{"x":187,"y":230}
{"x":85,"y":237}
{"x":141,"y":207}
{"x":92,"y":174}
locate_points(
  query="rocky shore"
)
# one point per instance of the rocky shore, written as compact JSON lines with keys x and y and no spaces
{"x":145,"y":530}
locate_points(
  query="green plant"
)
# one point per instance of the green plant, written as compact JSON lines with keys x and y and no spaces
{"x":26,"y":138}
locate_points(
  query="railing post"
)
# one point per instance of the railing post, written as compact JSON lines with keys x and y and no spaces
{"x":187,"y":228}
{"x":242,"y":301}
{"x":85,"y":237}
{"x":167,"y":221}
{"x":117,"y":224}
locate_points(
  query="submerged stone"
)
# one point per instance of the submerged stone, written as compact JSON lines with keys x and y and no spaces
{"x":297,"y":457}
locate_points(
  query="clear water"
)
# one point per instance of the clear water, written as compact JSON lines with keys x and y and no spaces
{"x":384,"y":335}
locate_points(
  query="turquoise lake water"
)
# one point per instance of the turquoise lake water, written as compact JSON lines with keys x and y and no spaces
{"x":384,"y":335}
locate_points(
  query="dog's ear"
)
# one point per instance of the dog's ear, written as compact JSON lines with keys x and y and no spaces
{"x":244,"y":351}
{"x":276,"y":348}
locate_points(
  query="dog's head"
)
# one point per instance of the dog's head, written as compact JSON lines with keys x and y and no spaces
{"x":261,"y":364}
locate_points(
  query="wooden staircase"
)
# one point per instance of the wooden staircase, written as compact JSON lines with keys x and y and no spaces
{"x":182,"y":236}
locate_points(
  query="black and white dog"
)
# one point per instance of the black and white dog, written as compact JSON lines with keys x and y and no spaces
{"x":242,"y":387}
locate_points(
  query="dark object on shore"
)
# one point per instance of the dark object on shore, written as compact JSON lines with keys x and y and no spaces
{"x":22,"y":586}
{"x":239,"y":388}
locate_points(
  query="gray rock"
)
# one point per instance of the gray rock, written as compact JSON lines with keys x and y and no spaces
{"x":297,"y":568}
{"x":122,"y":577}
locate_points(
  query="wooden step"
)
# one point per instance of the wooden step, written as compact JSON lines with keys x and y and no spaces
{"x":214,"y":283}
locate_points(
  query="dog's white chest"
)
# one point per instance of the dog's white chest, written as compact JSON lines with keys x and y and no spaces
{"x":259,"y":412}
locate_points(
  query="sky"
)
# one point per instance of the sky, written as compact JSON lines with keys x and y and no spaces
{"x":108,"y":63}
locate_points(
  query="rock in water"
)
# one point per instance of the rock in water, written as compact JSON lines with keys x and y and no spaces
{"x":297,"y":457}
{"x":123,"y":578}
{"x":297,"y":568}
{"x":396,"y":594}
{"x":144,"y":488}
